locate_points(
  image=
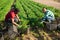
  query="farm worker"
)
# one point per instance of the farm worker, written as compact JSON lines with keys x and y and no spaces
{"x":48,"y":15}
{"x":11,"y":20}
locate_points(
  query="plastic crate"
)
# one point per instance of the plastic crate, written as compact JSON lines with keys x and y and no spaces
{"x":51,"y":26}
{"x":58,"y":26}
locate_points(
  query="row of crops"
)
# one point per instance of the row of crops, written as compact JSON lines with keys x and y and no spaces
{"x":30,"y":12}
{"x":5,"y":7}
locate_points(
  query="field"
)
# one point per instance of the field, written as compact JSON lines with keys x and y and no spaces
{"x":57,"y":0}
{"x":30,"y":14}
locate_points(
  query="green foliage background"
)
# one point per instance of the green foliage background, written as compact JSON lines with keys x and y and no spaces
{"x":30,"y":12}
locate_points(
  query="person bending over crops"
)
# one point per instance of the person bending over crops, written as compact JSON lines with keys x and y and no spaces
{"x":48,"y":15}
{"x":11,"y":20}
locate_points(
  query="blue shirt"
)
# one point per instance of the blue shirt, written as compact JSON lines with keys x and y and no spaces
{"x":49,"y":16}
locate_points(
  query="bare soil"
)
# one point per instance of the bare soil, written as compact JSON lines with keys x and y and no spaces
{"x":57,"y":0}
{"x":49,"y":3}
{"x":42,"y":34}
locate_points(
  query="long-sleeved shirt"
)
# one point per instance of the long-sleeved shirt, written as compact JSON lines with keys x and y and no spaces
{"x":49,"y":16}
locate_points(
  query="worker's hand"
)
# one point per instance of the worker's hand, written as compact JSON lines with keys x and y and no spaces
{"x":17,"y":25}
{"x":42,"y":22}
{"x":20,"y":20}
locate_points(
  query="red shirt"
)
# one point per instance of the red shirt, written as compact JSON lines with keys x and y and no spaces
{"x":10,"y":15}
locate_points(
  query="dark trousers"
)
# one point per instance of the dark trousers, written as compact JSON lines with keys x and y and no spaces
{"x":12,"y":29}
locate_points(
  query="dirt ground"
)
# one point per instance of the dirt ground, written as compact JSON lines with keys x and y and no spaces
{"x":42,"y":36}
{"x":49,"y":3}
{"x":57,"y":0}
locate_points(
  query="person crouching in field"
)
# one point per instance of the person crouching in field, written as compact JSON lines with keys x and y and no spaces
{"x":11,"y":20}
{"x":48,"y":15}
